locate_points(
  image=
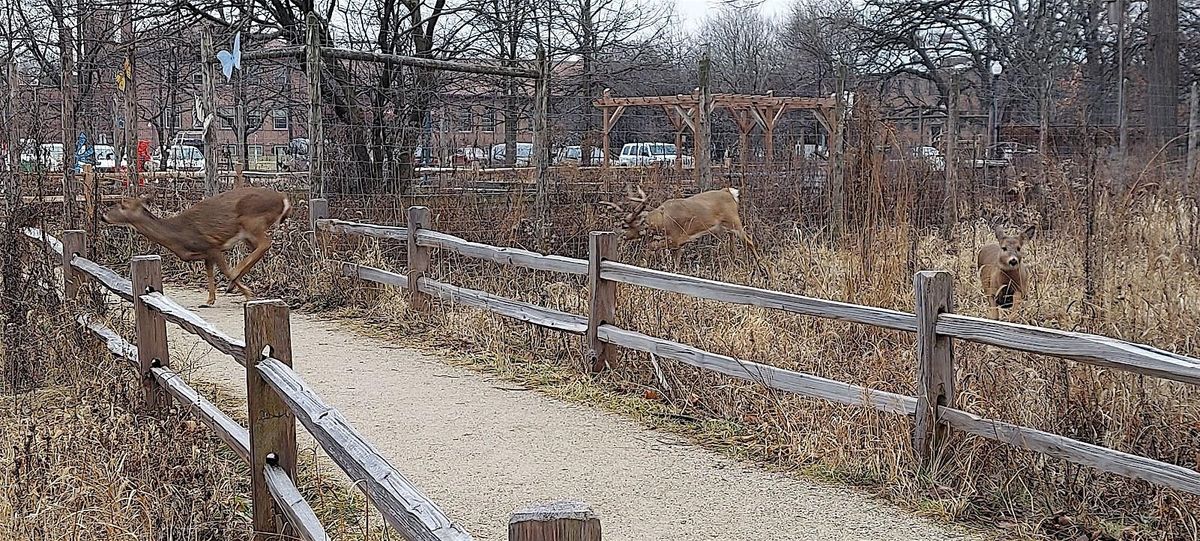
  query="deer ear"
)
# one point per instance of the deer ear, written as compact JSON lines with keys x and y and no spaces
{"x":998,"y":230}
{"x":1028,"y":233}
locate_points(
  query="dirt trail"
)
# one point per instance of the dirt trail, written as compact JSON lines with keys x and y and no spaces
{"x":481,"y":450}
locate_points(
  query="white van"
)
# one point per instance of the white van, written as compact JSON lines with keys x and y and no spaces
{"x":650,"y":153}
{"x":179,"y":158}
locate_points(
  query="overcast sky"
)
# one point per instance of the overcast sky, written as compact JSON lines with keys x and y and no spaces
{"x":692,"y":12}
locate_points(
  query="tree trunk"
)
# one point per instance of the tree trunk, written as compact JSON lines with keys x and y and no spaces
{"x":1162,"y":71}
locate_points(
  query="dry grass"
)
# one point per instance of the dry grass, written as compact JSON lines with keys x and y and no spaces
{"x":1144,"y":286}
{"x":1146,"y":289}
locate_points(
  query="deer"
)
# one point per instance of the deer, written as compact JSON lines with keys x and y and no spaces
{"x":1002,"y":273}
{"x":679,"y":221}
{"x":206,"y":230}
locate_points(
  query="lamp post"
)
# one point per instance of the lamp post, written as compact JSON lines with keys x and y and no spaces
{"x":993,"y":116}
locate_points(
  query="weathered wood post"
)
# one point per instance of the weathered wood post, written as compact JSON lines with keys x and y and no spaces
{"x":272,"y":424}
{"x":208,"y":100}
{"x":239,"y":174}
{"x":145,"y":272}
{"x":318,"y":209}
{"x":418,"y":257}
{"x":541,"y":147}
{"x":602,"y":297}
{"x":316,"y":133}
{"x":935,"y":360}
{"x":74,"y":242}
{"x":559,"y":521}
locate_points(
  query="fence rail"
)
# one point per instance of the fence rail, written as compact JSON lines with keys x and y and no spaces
{"x":277,"y":397}
{"x":934,"y":325}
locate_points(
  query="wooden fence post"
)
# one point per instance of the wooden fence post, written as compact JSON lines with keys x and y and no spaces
{"x":559,"y":521}
{"x":418,"y":257}
{"x":602,"y":297}
{"x":145,"y":272}
{"x":318,"y":209}
{"x":272,"y":425}
{"x":935,"y":360}
{"x":74,"y":242}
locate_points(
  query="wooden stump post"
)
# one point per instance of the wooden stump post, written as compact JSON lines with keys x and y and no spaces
{"x":272,"y":425}
{"x":602,"y":297}
{"x":935,"y":360}
{"x":145,"y":273}
{"x":318,"y":209}
{"x":74,"y":242}
{"x":559,"y":521}
{"x":239,"y":174}
{"x":418,"y":257}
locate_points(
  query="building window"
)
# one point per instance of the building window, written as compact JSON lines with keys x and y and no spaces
{"x":255,"y":153}
{"x":489,"y":120}
{"x":226,"y":118}
{"x":466,"y":119}
{"x":198,"y":78}
{"x":279,"y":119}
{"x":280,"y":152}
{"x":231,"y":152}
{"x":172,"y":120}
{"x":253,"y":121}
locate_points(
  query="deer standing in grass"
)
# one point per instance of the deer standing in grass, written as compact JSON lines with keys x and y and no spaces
{"x":204,"y":231}
{"x":1004,"y":278}
{"x":679,"y":221}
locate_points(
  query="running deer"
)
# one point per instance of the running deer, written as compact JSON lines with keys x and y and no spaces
{"x":204,"y":231}
{"x":1002,"y":274}
{"x":679,"y":221}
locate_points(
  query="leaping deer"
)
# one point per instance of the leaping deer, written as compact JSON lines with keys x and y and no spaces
{"x":679,"y":221}
{"x":204,"y":231}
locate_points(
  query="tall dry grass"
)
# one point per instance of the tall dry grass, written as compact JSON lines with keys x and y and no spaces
{"x":1115,"y":255}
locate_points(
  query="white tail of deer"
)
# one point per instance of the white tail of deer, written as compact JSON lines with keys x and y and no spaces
{"x":204,"y":231}
{"x":679,"y":221}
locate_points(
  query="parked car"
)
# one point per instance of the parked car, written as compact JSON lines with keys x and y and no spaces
{"x":179,"y":158}
{"x":524,"y":155}
{"x":295,"y":158}
{"x":650,"y":153}
{"x":48,"y":156}
{"x":105,"y":159}
{"x":574,"y":155}
{"x":932,"y":157}
{"x":469,"y":155}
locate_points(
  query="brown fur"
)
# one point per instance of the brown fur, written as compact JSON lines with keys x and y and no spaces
{"x":679,"y":221}
{"x":1003,"y":274}
{"x":204,"y":231}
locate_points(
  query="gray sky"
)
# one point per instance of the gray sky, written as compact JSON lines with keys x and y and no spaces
{"x":692,"y":12}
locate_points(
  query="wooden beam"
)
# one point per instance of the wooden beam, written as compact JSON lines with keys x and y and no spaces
{"x":559,"y":521}
{"x":418,"y":258}
{"x":272,"y":424}
{"x":151,"y":328}
{"x":686,"y":116}
{"x":935,"y":361}
{"x":602,"y":300}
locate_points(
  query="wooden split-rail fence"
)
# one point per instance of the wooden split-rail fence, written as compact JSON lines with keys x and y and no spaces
{"x":277,"y":397}
{"x":934,"y":323}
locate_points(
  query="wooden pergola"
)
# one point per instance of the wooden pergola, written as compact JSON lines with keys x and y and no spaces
{"x":747,"y":110}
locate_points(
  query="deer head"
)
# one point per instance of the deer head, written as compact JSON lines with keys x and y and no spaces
{"x":1010,"y":254}
{"x":634,"y":224}
{"x":129,"y":210}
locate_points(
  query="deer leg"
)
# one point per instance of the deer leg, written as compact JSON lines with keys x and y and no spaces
{"x":212,"y":284}
{"x":677,"y":254}
{"x":224,"y":266}
{"x":244,"y":266}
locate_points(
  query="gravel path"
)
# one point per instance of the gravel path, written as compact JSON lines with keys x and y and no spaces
{"x":481,"y":449}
